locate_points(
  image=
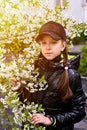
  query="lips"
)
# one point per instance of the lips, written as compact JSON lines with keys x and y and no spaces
{"x":48,"y":53}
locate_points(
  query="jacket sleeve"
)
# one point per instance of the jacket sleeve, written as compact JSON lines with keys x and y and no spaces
{"x":77,"y":112}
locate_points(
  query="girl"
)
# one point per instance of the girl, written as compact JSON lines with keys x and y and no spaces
{"x":64,"y":99}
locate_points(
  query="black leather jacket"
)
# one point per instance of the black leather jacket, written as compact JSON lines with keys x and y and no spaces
{"x":66,"y":114}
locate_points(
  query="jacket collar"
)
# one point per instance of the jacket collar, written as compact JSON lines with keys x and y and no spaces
{"x":49,"y":64}
{"x":57,"y":63}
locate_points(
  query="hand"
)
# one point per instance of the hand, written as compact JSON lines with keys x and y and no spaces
{"x":15,"y":85}
{"x":39,"y":118}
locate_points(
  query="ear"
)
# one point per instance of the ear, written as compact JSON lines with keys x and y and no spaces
{"x":63,"y":45}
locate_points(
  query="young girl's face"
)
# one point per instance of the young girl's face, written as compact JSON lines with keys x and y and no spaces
{"x":51,"y":48}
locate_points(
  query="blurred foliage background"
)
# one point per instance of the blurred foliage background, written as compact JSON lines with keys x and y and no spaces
{"x":20,"y":22}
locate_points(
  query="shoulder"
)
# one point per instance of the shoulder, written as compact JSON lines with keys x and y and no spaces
{"x":74,"y":79}
{"x":73,"y":73}
{"x":74,"y":61}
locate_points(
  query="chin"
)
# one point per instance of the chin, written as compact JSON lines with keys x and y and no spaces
{"x":49,"y":58}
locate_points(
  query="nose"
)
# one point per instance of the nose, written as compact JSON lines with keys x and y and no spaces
{"x":48,"y":46}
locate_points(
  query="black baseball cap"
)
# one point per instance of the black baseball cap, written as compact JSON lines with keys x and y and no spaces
{"x":54,"y":29}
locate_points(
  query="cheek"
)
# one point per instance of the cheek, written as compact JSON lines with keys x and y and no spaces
{"x":57,"y":50}
{"x":42,"y":50}
{"x":62,"y":48}
{"x":41,"y":46}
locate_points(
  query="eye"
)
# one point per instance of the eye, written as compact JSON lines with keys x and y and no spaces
{"x":43,"y":43}
{"x":54,"y":42}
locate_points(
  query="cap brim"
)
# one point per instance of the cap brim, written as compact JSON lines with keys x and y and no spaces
{"x":53,"y":35}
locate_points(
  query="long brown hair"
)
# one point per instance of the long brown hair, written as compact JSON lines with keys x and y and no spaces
{"x":64,"y":88}
{"x":57,"y":32}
